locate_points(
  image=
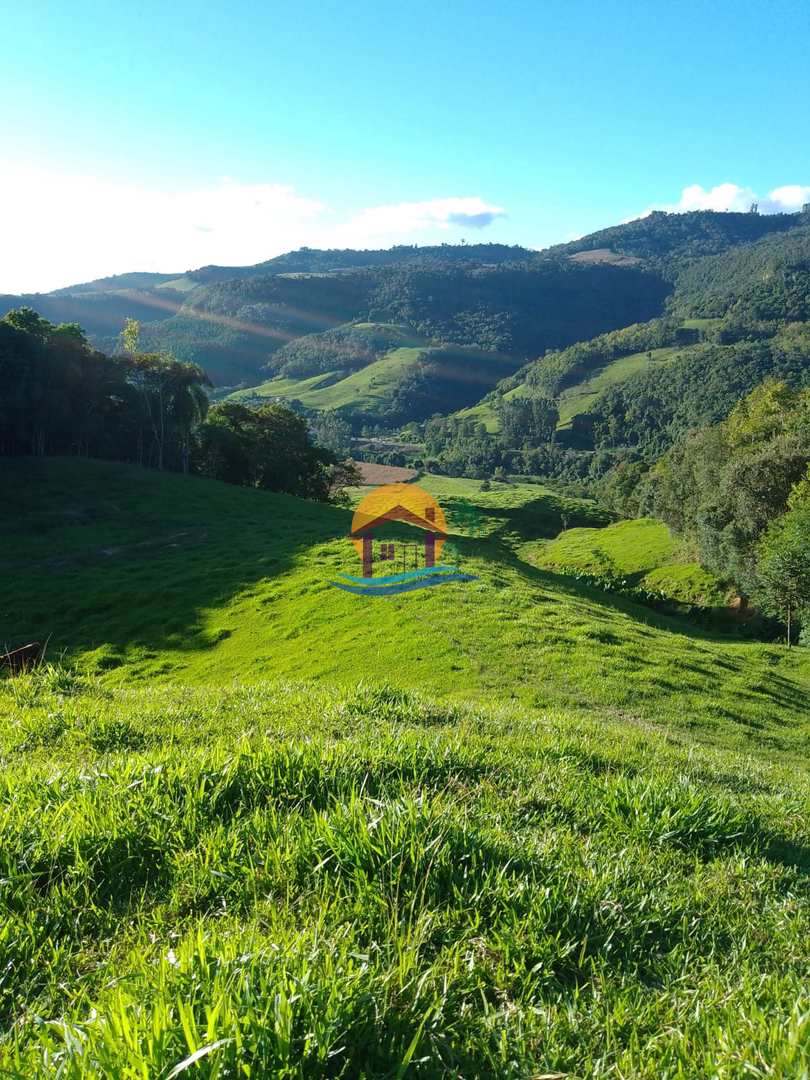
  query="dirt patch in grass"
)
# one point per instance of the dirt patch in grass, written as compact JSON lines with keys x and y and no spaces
{"x":373,"y":474}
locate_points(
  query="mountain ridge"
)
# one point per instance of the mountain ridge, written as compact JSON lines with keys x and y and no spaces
{"x":505,"y":299}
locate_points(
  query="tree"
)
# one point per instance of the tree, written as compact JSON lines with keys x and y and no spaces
{"x":723,"y":486}
{"x":332,"y":431}
{"x":172,"y":400}
{"x":268,"y":447}
{"x":29,"y":322}
{"x":783,"y":563}
{"x":527,"y":421}
{"x":130,"y":337}
{"x":61,"y":396}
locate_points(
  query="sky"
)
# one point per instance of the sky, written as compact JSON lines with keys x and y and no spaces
{"x":167,"y":136}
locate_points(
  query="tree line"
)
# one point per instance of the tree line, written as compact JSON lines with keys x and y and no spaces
{"x":59,"y":395}
{"x":740,"y":492}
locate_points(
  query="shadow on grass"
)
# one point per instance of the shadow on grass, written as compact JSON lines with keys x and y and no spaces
{"x":111,"y":555}
{"x":542,"y":518}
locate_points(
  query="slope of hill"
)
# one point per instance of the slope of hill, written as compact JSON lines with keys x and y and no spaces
{"x":172,"y":577}
{"x":643,"y":551}
{"x":365,"y":392}
{"x":765,"y":280}
{"x":401,"y":385}
{"x":577,"y":400}
{"x":724,"y":297}
{"x":344,"y":349}
{"x":580,"y":849}
{"x":651,"y":408}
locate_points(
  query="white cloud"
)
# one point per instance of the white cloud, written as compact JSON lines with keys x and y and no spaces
{"x":786,"y":199}
{"x":63,"y":229}
{"x":782,"y":200}
{"x":388,"y":223}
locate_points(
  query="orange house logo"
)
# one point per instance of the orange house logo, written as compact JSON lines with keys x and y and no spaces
{"x":410,"y":505}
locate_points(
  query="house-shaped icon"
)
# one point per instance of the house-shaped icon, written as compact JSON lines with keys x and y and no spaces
{"x":398,"y":502}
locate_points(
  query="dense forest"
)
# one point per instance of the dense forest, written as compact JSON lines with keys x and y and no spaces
{"x":61,"y":396}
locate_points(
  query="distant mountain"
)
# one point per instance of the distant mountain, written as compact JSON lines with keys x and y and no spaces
{"x":732,"y":320}
{"x":517,"y":303}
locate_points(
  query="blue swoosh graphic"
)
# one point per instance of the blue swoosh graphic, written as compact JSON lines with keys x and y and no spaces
{"x":406,"y":576}
{"x":405,"y":586}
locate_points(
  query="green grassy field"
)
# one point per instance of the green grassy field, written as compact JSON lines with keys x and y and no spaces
{"x":285,"y":389}
{"x":643,"y":549}
{"x":183,"y":580}
{"x":362,"y":390}
{"x":258,"y":827}
{"x":292,"y":882}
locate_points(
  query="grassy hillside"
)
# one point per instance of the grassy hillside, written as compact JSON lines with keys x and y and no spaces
{"x":406,"y":383}
{"x":373,"y":386}
{"x":363,"y":390}
{"x":643,"y":550}
{"x":185,"y":580}
{"x":344,"y":349}
{"x":577,"y":399}
{"x":514,"y":827}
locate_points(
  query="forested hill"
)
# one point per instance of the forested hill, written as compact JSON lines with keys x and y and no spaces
{"x":101,"y":306}
{"x":732,"y":320}
{"x":669,"y":242}
{"x":517,"y":302}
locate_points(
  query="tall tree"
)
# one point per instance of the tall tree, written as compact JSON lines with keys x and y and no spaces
{"x":783,"y":565}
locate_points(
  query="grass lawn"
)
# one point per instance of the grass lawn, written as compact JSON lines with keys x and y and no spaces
{"x":291,"y":881}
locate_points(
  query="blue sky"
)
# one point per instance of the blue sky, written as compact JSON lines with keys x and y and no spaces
{"x":166,"y":136}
